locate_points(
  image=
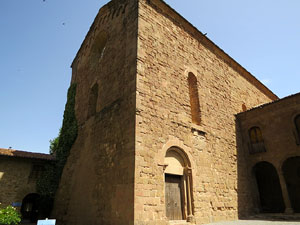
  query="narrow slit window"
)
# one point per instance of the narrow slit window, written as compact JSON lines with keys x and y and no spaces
{"x":93,"y":98}
{"x":244,"y":107}
{"x":297,"y":124}
{"x":194,"y":99}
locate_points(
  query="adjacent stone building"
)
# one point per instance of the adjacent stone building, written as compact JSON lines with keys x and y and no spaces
{"x":270,"y":146}
{"x":158,"y":140}
{"x":19,"y":171}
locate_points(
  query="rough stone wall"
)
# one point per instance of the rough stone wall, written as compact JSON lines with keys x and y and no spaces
{"x":276,"y":122}
{"x":167,"y":51}
{"x":97,"y":185}
{"x":15,"y":183}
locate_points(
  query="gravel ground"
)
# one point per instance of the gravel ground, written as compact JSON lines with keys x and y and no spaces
{"x":255,"y":222}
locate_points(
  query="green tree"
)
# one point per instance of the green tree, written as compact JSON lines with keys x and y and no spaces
{"x":60,"y":146}
{"x":53,"y":145}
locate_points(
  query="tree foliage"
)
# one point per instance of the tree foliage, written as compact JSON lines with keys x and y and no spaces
{"x":54,"y":144}
{"x":60,"y":146}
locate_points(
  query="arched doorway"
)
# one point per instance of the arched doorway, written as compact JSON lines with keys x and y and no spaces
{"x":291,"y":173}
{"x":178,"y":185}
{"x":268,"y":184}
{"x":29,"y":208}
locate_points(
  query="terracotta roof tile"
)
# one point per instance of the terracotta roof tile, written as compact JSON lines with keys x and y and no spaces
{"x":271,"y":103}
{"x":23,"y":154}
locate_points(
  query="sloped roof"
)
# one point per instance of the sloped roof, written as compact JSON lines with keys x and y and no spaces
{"x":24,"y":154}
{"x":296,"y":95}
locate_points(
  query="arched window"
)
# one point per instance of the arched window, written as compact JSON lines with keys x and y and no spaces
{"x":98,"y":48}
{"x":257,"y":142}
{"x":194,"y":99}
{"x":244,"y":107}
{"x":178,"y":185}
{"x":93,"y":98}
{"x":297,"y":124}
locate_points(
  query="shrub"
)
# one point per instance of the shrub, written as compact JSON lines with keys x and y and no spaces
{"x":9,"y":216}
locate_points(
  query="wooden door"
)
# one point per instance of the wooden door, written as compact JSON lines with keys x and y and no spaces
{"x":173,"y":195}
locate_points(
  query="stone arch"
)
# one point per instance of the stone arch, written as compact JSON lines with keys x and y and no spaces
{"x":175,"y":142}
{"x":291,"y":173}
{"x":181,"y":155}
{"x":269,"y":189}
{"x":280,"y":163}
{"x":178,"y":185}
{"x":30,"y":207}
{"x":92,"y":51}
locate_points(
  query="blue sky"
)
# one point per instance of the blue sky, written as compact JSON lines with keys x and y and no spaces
{"x":39,"y":40}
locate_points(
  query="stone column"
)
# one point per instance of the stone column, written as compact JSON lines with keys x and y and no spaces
{"x":285,"y":194}
{"x":188,"y":174}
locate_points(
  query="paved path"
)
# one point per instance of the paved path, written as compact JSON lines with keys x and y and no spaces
{"x":255,"y":222}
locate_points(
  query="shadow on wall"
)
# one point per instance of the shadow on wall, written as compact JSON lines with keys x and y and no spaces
{"x":12,"y":176}
{"x":19,"y":172}
{"x":268,"y":185}
{"x":291,"y":172}
{"x":245,"y":203}
{"x":259,"y":188}
{"x":30,"y":208}
{"x":2,"y":181}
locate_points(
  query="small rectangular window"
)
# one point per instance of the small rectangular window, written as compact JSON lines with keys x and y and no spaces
{"x":35,"y":173}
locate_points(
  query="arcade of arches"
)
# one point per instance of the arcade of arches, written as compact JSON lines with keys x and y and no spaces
{"x":270,"y":187}
{"x":269,"y":146}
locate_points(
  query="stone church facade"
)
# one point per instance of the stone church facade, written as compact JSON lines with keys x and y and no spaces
{"x":158,"y":138}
